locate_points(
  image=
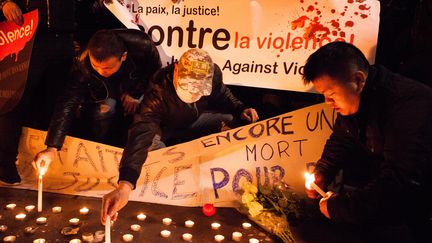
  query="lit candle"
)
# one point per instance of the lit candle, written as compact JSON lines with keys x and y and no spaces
{"x":40,"y":240}
{"x":246,"y":225}
{"x":74,"y":221}
{"x":84,"y":211}
{"x":189,"y":223}
{"x":135,"y":227}
{"x":11,"y":206}
{"x":56,"y":209}
{"x":127,"y":237}
{"x":310,"y":184}
{"x":40,"y":185}
{"x":88,"y":237}
{"x":236,"y":236}
{"x":141,"y":217}
{"x":187,"y":237}
{"x":108,"y":229}
{"x":215,"y":226}
{"x":253,"y":240}
{"x":41,"y":220}
{"x":3,"y":228}
{"x":219,"y":238}
{"x":99,"y":235}
{"x":30,"y":230}
{"x":9,"y":238}
{"x":166,"y":221}
{"x":165,"y":233}
{"x":29,"y":208}
{"x":75,"y":241}
{"x":20,"y":216}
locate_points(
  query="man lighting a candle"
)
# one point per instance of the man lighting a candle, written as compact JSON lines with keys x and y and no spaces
{"x":381,"y":141}
{"x":185,"y":100}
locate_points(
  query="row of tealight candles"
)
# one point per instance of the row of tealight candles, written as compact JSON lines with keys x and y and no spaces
{"x":236,"y":236}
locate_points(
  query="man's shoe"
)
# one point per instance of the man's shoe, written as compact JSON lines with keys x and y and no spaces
{"x":9,"y":176}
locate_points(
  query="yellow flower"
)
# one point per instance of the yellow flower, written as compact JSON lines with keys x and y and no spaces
{"x":255,"y":208}
{"x":249,"y":187}
{"x":247,"y":198}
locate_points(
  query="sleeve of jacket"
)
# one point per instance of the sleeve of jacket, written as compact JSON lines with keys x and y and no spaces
{"x":64,"y":112}
{"x":400,"y":191}
{"x":221,"y":95}
{"x":146,"y":125}
{"x":337,"y":151}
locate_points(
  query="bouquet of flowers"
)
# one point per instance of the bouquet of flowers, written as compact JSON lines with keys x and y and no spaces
{"x":271,"y":207}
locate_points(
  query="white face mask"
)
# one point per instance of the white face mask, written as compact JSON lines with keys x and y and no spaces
{"x":187,"y":96}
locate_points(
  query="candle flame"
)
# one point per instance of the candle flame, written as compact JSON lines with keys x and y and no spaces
{"x":310,"y":178}
{"x":42,"y":172}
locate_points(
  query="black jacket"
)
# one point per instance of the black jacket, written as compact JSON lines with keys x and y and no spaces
{"x":391,"y":136}
{"x":161,"y":108}
{"x":87,"y":86}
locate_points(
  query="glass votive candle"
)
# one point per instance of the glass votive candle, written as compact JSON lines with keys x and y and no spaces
{"x":29,"y":208}
{"x":215,"y":226}
{"x":135,"y":227}
{"x":40,"y":240}
{"x":84,"y":211}
{"x":11,"y":206}
{"x":253,"y":240}
{"x":87,"y":237}
{"x":20,"y":216}
{"x":219,"y":238}
{"x":141,"y":217}
{"x":127,"y":237}
{"x":3,"y":228}
{"x":189,"y":223}
{"x":236,"y":236}
{"x":56,"y":209}
{"x":9,"y":238}
{"x":187,"y":237}
{"x":166,"y":221}
{"x":41,"y":220}
{"x":74,"y":221}
{"x":246,"y":225}
{"x":165,"y":233}
{"x":75,"y":241}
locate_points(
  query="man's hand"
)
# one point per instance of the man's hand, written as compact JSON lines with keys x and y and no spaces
{"x":115,"y":200}
{"x":12,"y":12}
{"x":323,"y":204}
{"x":44,"y":158}
{"x":250,"y":115}
{"x":130,"y":104}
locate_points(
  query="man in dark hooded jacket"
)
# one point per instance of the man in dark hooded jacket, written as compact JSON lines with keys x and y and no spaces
{"x":382,"y":142}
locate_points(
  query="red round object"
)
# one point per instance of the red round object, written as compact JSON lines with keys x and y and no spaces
{"x":208,"y":209}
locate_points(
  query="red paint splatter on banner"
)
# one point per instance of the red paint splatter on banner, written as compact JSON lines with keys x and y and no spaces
{"x":363,"y":7}
{"x":335,"y":23}
{"x":299,"y":23}
{"x":349,"y":23}
{"x":310,"y":8}
{"x":350,"y":1}
{"x":319,"y":13}
{"x":343,"y":14}
{"x":355,"y":13}
{"x":342,"y":34}
{"x":333,"y":11}
{"x":334,"y":33}
{"x":314,"y":28}
{"x":363,"y":16}
{"x":316,"y":3}
{"x":302,"y":1}
{"x":13,"y":38}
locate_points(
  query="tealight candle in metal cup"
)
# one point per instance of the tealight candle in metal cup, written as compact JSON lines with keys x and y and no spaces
{"x":219,"y":238}
{"x":29,"y":208}
{"x":56,"y":209}
{"x":11,"y":206}
{"x":135,"y":227}
{"x":9,"y":238}
{"x":236,"y":236}
{"x":166,"y":221}
{"x":74,"y":221}
{"x":165,"y":233}
{"x":187,"y":237}
{"x":127,"y":237}
{"x":41,"y":220}
{"x":215,"y":225}
{"x":75,"y":241}
{"x":253,"y":240}
{"x":246,"y":225}
{"x":20,"y":216}
{"x":189,"y":223}
{"x":40,"y":240}
{"x":84,"y":211}
{"x":141,"y":217}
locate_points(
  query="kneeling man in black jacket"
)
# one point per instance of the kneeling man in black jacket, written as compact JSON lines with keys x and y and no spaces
{"x":185,"y":99}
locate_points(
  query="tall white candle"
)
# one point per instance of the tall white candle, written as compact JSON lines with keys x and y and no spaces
{"x":310,"y":184}
{"x":39,"y":202}
{"x":108,"y":229}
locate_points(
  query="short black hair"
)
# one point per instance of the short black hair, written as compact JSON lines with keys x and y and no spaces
{"x":337,"y":60}
{"x":105,"y":44}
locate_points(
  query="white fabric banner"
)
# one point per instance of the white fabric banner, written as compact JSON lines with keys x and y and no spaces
{"x":257,"y":43}
{"x":208,"y":169}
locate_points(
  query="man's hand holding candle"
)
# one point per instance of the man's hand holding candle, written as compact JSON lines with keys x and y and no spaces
{"x":43,"y":159}
{"x":323,"y":204}
{"x":115,"y":200}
